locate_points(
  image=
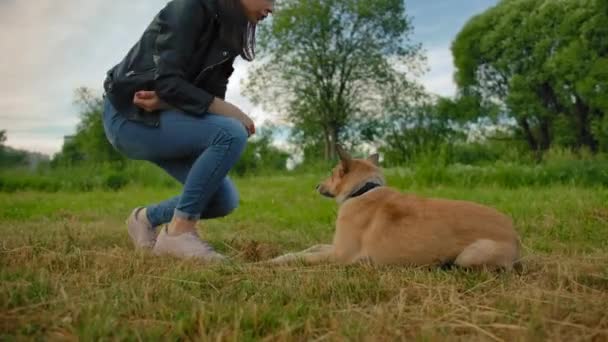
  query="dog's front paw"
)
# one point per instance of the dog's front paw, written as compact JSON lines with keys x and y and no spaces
{"x":284,"y":259}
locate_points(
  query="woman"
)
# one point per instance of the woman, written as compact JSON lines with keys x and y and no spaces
{"x":165,"y":103}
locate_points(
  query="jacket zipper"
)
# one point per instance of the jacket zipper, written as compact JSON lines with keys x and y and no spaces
{"x":131,"y":73}
{"x":208,"y":68}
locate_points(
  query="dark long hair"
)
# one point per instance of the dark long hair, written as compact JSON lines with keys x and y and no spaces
{"x":235,"y":29}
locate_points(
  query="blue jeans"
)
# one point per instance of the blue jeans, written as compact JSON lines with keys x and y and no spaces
{"x":198,"y":151}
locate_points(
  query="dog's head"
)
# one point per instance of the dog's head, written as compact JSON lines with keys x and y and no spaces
{"x":349,"y":175}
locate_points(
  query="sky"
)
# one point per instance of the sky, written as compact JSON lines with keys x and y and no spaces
{"x":51,"y":47}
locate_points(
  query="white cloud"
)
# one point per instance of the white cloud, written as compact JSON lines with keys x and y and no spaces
{"x":234,"y":95}
{"x":52,"y":47}
{"x":439,"y":80}
{"x":35,"y":142}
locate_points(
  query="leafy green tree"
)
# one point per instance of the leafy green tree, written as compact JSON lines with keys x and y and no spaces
{"x":326,"y":64}
{"x":71,"y":154}
{"x":10,"y":157}
{"x":89,"y":144}
{"x":260,"y":155}
{"x":90,"y":136}
{"x":415,"y":130}
{"x":545,"y":63}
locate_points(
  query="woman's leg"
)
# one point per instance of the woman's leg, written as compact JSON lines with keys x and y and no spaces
{"x":224,"y":201}
{"x":211,"y":143}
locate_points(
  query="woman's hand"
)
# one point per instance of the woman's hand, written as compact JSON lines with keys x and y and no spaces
{"x":221,"y":107}
{"x":247,"y":122}
{"x":149,"y":101}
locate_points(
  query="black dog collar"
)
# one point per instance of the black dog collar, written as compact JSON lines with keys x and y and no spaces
{"x":367,"y":187}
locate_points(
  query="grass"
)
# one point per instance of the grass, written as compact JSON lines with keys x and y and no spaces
{"x":68,"y":271}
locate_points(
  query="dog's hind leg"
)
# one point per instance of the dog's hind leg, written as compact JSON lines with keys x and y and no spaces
{"x":488,"y":254}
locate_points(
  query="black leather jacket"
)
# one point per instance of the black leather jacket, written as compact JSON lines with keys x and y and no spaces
{"x":180,"y":56}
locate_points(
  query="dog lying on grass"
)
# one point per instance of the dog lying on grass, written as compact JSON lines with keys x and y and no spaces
{"x":383,"y":226}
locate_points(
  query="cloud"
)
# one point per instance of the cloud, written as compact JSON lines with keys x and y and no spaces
{"x":235,"y":96}
{"x":439,"y":80}
{"x":436,"y":24}
{"x":36,"y":142}
{"x":49,"y":49}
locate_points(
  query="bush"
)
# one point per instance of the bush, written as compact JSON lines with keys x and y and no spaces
{"x":260,"y":156}
{"x":560,"y":167}
{"x":86,"y":177}
{"x":585,"y":173}
{"x":115,"y":181}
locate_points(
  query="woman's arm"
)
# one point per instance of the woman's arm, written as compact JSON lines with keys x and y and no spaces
{"x":150,"y":102}
{"x":219,"y":106}
{"x":180,"y":24}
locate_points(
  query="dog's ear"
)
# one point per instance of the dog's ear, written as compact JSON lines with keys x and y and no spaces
{"x":345,"y":158}
{"x":375,"y":159}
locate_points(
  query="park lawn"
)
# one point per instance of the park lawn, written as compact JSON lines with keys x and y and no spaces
{"x":68,"y":271}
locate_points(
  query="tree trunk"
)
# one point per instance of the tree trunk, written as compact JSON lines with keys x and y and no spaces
{"x":525,"y":127}
{"x":544,"y":139}
{"x":549,"y":99}
{"x":334,"y":142}
{"x":584,"y":135}
{"x":327,"y":148}
{"x":534,"y":143}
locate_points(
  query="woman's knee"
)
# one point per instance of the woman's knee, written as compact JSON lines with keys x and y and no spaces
{"x":228,"y":208}
{"x":222,"y":206}
{"x":230,"y":201}
{"x":233,"y":131}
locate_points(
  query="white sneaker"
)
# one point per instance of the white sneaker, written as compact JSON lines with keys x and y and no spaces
{"x":140,"y":229}
{"x":186,"y":246}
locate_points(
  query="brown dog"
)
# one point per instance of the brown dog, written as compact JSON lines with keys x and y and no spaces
{"x":381,"y":225}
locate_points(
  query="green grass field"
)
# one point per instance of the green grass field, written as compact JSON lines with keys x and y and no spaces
{"x":68,"y":271}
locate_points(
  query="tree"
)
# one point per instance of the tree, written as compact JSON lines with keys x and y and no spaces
{"x":2,"y":141}
{"x":326,"y":65}
{"x":10,"y":157}
{"x":418,"y":126}
{"x":545,"y":63}
{"x":89,"y":144}
{"x":414,"y":132}
{"x":260,"y":155}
